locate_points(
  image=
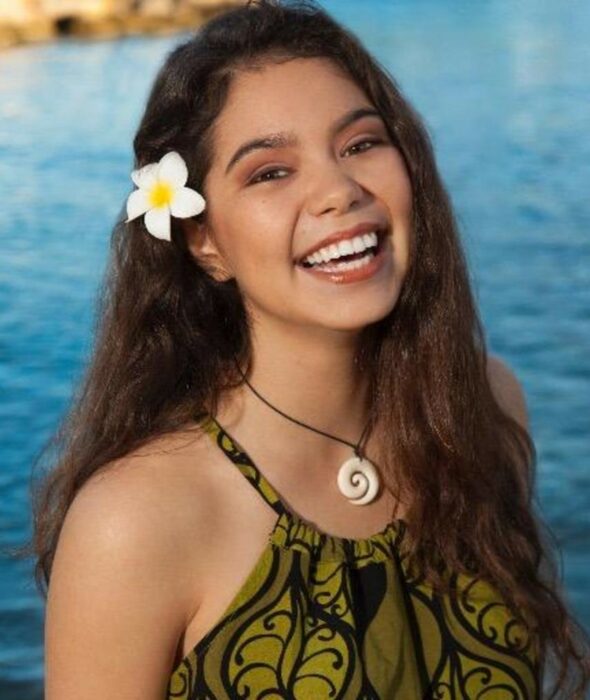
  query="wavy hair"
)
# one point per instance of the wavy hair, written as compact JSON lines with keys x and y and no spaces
{"x":167,"y":334}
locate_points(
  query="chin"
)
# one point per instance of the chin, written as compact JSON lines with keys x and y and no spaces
{"x":349,"y":319}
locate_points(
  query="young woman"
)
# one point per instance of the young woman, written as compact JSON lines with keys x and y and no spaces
{"x":293,"y":471}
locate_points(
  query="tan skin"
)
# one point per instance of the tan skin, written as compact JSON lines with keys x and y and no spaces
{"x":156,"y":545}
{"x":255,"y":231}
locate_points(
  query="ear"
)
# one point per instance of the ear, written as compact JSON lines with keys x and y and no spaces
{"x":202,"y":246}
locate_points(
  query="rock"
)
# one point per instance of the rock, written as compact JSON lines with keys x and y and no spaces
{"x":19,"y":11}
{"x":180,"y":21}
{"x":39,"y":29}
{"x":8,"y":36}
{"x":156,"y":8}
{"x":103,"y":27}
{"x":23,"y":21}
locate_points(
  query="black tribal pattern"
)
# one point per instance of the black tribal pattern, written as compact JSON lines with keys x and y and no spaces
{"x":322,"y":617}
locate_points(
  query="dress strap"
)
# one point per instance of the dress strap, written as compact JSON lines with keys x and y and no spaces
{"x":238,"y":455}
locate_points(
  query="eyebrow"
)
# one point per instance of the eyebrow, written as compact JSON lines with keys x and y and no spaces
{"x":283,"y":139}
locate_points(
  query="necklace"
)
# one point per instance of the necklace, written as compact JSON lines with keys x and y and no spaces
{"x":358,"y":479}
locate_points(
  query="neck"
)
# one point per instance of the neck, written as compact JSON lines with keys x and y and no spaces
{"x":310,"y":377}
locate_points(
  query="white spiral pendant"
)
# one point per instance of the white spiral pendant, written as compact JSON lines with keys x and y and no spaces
{"x":358,"y":480}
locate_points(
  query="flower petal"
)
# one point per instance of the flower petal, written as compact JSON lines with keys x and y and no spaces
{"x":137,"y":204}
{"x":157,"y":222}
{"x":186,"y":202}
{"x":172,"y":169}
{"x":145,"y":177}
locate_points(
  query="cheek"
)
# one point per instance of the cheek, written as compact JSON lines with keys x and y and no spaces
{"x":397,"y":193}
{"x":399,"y":186}
{"x":255,"y":246}
{"x":252,"y":233}
{"x":264,"y":228}
{"x":403,"y":195}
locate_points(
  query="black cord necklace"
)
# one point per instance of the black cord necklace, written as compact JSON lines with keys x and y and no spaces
{"x":358,"y":478}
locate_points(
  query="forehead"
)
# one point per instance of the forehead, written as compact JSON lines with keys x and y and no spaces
{"x":291,"y":95}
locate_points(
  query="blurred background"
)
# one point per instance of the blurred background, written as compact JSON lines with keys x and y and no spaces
{"x":504,"y":89}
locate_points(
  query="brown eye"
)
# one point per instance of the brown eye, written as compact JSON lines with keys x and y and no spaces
{"x":371,"y":142}
{"x":263,"y":174}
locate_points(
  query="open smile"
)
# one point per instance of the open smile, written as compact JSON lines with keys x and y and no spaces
{"x":344,"y":268}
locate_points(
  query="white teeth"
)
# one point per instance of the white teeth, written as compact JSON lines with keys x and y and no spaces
{"x":345,"y":248}
{"x":333,"y":251}
{"x":354,"y":245}
{"x":350,"y":265}
{"x":358,"y":244}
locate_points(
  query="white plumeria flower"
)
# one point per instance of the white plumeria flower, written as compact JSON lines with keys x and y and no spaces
{"x":162,"y":193}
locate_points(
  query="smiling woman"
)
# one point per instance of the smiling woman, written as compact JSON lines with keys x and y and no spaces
{"x":329,"y":192}
{"x":301,"y":305}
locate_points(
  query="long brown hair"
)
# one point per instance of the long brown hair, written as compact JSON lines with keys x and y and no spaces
{"x":167,"y":333}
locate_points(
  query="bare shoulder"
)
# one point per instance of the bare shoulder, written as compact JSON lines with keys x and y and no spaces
{"x":123,"y":583}
{"x":507,"y":389}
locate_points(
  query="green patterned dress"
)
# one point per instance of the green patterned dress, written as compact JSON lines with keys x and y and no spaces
{"x":321,"y":617}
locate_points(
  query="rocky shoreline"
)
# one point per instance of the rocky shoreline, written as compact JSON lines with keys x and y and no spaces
{"x":33,"y":21}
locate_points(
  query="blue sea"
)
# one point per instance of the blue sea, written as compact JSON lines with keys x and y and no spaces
{"x":504,"y":89}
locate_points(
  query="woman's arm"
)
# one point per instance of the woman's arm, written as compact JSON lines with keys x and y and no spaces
{"x":122,"y":589}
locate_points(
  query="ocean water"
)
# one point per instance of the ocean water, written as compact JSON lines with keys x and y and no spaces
{"x":504,"y":89}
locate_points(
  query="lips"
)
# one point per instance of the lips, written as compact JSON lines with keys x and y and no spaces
{"x":365,"y":227}
{"x":376,"y":266}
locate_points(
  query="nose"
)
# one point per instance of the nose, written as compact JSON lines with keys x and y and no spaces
{"x":332,"y":188}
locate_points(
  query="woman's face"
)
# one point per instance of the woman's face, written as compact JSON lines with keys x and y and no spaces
{"x":267,"y":207}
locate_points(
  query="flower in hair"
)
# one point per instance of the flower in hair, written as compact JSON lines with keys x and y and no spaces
{"x":161,"y":193}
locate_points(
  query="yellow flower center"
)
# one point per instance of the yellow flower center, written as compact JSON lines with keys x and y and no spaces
{"x":161,"y":194}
